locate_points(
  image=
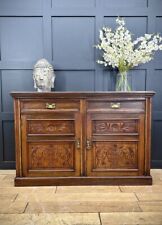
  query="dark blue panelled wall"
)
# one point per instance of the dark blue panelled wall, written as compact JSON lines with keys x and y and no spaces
{"x":64,"y":32}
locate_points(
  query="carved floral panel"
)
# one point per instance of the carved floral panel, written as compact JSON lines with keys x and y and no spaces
{"x":51,"y":155}
{"x":101,"y":127}
{"x":51,"y":127}
{"x":114,"y":155}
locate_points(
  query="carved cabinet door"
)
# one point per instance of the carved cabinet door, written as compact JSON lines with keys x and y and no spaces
{"x":51,"y":144}
{"x":115,"y":144}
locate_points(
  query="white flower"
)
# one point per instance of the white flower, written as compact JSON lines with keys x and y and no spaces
{"x":120,"y":21}
{"x":121,"y":52}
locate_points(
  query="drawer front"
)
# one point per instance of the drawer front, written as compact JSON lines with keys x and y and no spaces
{"x":51,"y":126}
{"x":50,"y":105}
{"x":124,"y":126}
{"x":116,"y":106}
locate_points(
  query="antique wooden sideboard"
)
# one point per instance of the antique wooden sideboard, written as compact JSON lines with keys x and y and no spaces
{"x":82,"y":138}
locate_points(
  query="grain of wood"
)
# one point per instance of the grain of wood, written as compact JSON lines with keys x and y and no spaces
{"x":141,"y":189}
{"x":9,"y":207}
{"x":81,"y":207}
{"x":88,"y":189}
{"x":50,"y":219}
{"x":82,"y":197}
{"x":7,"y":181}
{"x":151,"y":206}
{"x":149,"y":196}
{"x":133,"y":218}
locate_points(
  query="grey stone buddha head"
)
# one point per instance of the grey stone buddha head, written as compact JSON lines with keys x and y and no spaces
{"x":43,"y":75}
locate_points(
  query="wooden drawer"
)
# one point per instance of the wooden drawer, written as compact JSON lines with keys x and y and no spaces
{"x":109,"y":127}
{"x":116,"y":106}
{"x":116,"y":124}
{"x":50,"y":127}
{"x":47,"y":105}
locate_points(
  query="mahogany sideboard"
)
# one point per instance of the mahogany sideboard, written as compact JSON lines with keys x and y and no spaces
{"x":82,"y":138}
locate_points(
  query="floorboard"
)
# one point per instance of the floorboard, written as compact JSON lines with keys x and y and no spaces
{"x":80,"y":205}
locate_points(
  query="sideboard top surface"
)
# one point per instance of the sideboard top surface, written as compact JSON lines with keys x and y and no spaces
{"x":111,"y":94}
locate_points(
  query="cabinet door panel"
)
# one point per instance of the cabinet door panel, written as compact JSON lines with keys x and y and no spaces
{"x":116,"y":145}
{"x":114,"y":155}
{"x":51,"y":146}
{"x":51,"y":155}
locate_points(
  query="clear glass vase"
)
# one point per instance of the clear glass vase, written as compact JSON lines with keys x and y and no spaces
{"x":122,"y":83}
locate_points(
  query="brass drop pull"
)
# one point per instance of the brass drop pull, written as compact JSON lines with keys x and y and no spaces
{"x":89,"y":145}
{"x":78,"y":143}
{"x":115,"y":105}
{"x":50,"y":106}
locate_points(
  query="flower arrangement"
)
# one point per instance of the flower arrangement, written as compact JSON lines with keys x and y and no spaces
{"x":121,"y":52}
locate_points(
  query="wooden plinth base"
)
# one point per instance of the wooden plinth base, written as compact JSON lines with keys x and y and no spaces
{"x":69,"y":181}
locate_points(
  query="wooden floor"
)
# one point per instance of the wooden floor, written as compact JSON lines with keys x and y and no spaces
{"x":75,"y":205}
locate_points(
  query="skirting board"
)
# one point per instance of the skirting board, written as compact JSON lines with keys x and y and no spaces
{"x":156,"y":164}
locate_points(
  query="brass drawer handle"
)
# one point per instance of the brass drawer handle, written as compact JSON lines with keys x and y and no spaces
{"x":88,"y":144}
{"x":115,"y":105}
{"x":50,"y":106}
{"x":78,"y":143}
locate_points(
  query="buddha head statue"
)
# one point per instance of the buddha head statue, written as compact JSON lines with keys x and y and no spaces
{"x":43,"y":75}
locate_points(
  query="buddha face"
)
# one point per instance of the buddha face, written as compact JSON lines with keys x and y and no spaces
{"x":43,"y":79}
{"x":43,"y":75}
